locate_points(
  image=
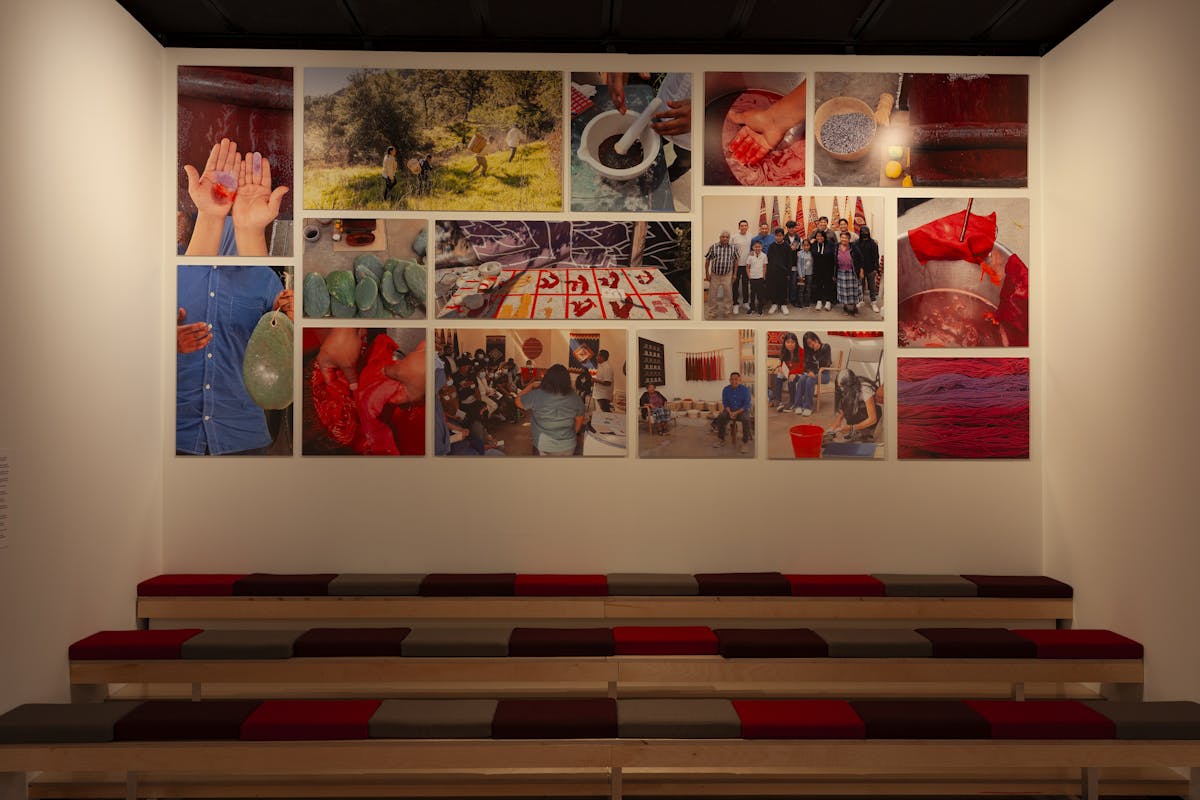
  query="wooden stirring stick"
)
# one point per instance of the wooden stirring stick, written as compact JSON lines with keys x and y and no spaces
{"x":962,"y":237}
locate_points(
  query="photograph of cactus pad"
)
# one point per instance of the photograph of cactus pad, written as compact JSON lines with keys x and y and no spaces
{"x":900,"y":129}
{"x":432,"y":139}
{"x":365,"y":268}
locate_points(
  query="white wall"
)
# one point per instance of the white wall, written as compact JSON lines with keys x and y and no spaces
{"x":364,"y":514}
{"x":676,"y":343}
{"x":81,"y":329}
{"x":1122,"y":169}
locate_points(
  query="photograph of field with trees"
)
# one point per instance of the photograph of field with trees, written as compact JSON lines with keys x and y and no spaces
{"x":432,"y":140}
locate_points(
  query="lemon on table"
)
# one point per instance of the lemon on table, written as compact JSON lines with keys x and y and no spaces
{"x":895,"y":151}
{"x":893,"y":169}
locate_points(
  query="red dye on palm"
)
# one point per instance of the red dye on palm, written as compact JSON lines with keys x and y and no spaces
{"x":781,"y":166}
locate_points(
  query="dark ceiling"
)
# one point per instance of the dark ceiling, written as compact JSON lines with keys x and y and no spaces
{"x":885,"y":27}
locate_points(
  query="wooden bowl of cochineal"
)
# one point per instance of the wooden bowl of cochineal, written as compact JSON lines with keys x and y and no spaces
{"x":844,"y":105}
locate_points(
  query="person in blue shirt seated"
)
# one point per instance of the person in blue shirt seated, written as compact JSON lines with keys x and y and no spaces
{"x":735,"y":405}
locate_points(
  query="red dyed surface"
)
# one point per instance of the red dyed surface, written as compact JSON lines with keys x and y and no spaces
{"x":942,"y":239}
{"x":949,"y":318}
{"x":780,"y":167}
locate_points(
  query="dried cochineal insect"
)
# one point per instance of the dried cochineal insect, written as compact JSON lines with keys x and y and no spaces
{"x":225,"y":185}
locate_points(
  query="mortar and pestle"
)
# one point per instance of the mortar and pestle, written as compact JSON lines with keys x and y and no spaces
{"x":625,"y":135}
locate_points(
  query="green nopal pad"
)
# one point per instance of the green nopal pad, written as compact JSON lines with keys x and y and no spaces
{"x":341,"y":286}
{"x":267,"y":365}
{"x":366,"y":295}
{"x":370,"y":262}
{"x":316,"y":296}
{"x":341,"y":310}
{"x":414,"y":276}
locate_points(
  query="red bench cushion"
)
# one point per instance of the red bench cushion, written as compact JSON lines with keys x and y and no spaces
{"x":770,"y":643}
{"x":561,"y":642}
{"x":835,"y":586}
{"x":263,"y":584}
{"x":183,"y":720}
{"x":649,"y":640}
{"x":1019,"y":586}
{"x":1081,"y":643}
{"x":123,"y":645}
{"x":349,"y":642}
{"x":921,"y":719}
{"x":799,"y":719}
{"x":561,"y":586}
{"x":594,"y":718}
{"x":295,"y":720}
{"x":464,"y":584}
{"x":1043,"y":719}
{"x":188,"y":585}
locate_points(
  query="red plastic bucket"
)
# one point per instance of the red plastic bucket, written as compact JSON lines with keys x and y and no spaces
{"x":806,"y":440}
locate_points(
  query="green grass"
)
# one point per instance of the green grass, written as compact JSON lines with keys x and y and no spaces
{"x":528,"y":183}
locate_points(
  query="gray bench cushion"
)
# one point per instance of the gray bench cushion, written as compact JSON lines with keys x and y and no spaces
{"x":362,"y":584}
{"x":926,"y":585}
{"x":1162,"y":719}
{"x":239,"y":644}
{"x":456,"y":643}
{"x":678,"y":719}
{"x":875,"y":643}
{"x":55,"y":723}
{"x":651,"y":583}
{"x":433,"y":719}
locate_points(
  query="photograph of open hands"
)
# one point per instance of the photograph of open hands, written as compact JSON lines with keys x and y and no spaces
{"x":234,"y":190}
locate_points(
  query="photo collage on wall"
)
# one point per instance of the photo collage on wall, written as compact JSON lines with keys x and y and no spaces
{"x":509,"y":263}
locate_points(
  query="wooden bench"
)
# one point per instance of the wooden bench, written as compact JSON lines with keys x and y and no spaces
{"x":643,"y":744}
{"x":612,"y":598}
{"x":623,"y":661}
{"x":597,"y":782}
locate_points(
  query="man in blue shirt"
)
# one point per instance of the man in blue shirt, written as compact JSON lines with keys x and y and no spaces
{"x":735,"y":405}
{"x":765,"y":238}
{"x":218,"y":310}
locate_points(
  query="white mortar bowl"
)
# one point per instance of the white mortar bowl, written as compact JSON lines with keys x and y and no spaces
{"x":610,"y":123}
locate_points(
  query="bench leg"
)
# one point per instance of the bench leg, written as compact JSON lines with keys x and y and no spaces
{"x":1132,"y":692}
{"x":615,"y":778}
{"x":1090,"y":786}
{"x":89,"y":692}
{"x":197,"y":695}
{"x":14,"y":786}
{"x":1194,"y":784}
{"x":131,"y":786}
{"x":612,"y":688}
{"x":1018,"y":691}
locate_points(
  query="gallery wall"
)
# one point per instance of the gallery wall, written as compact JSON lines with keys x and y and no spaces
{"x":87,"y":387}
{"x":1121,"y":173}
{"x":81,"y":323}
{"x":297,"y":513}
